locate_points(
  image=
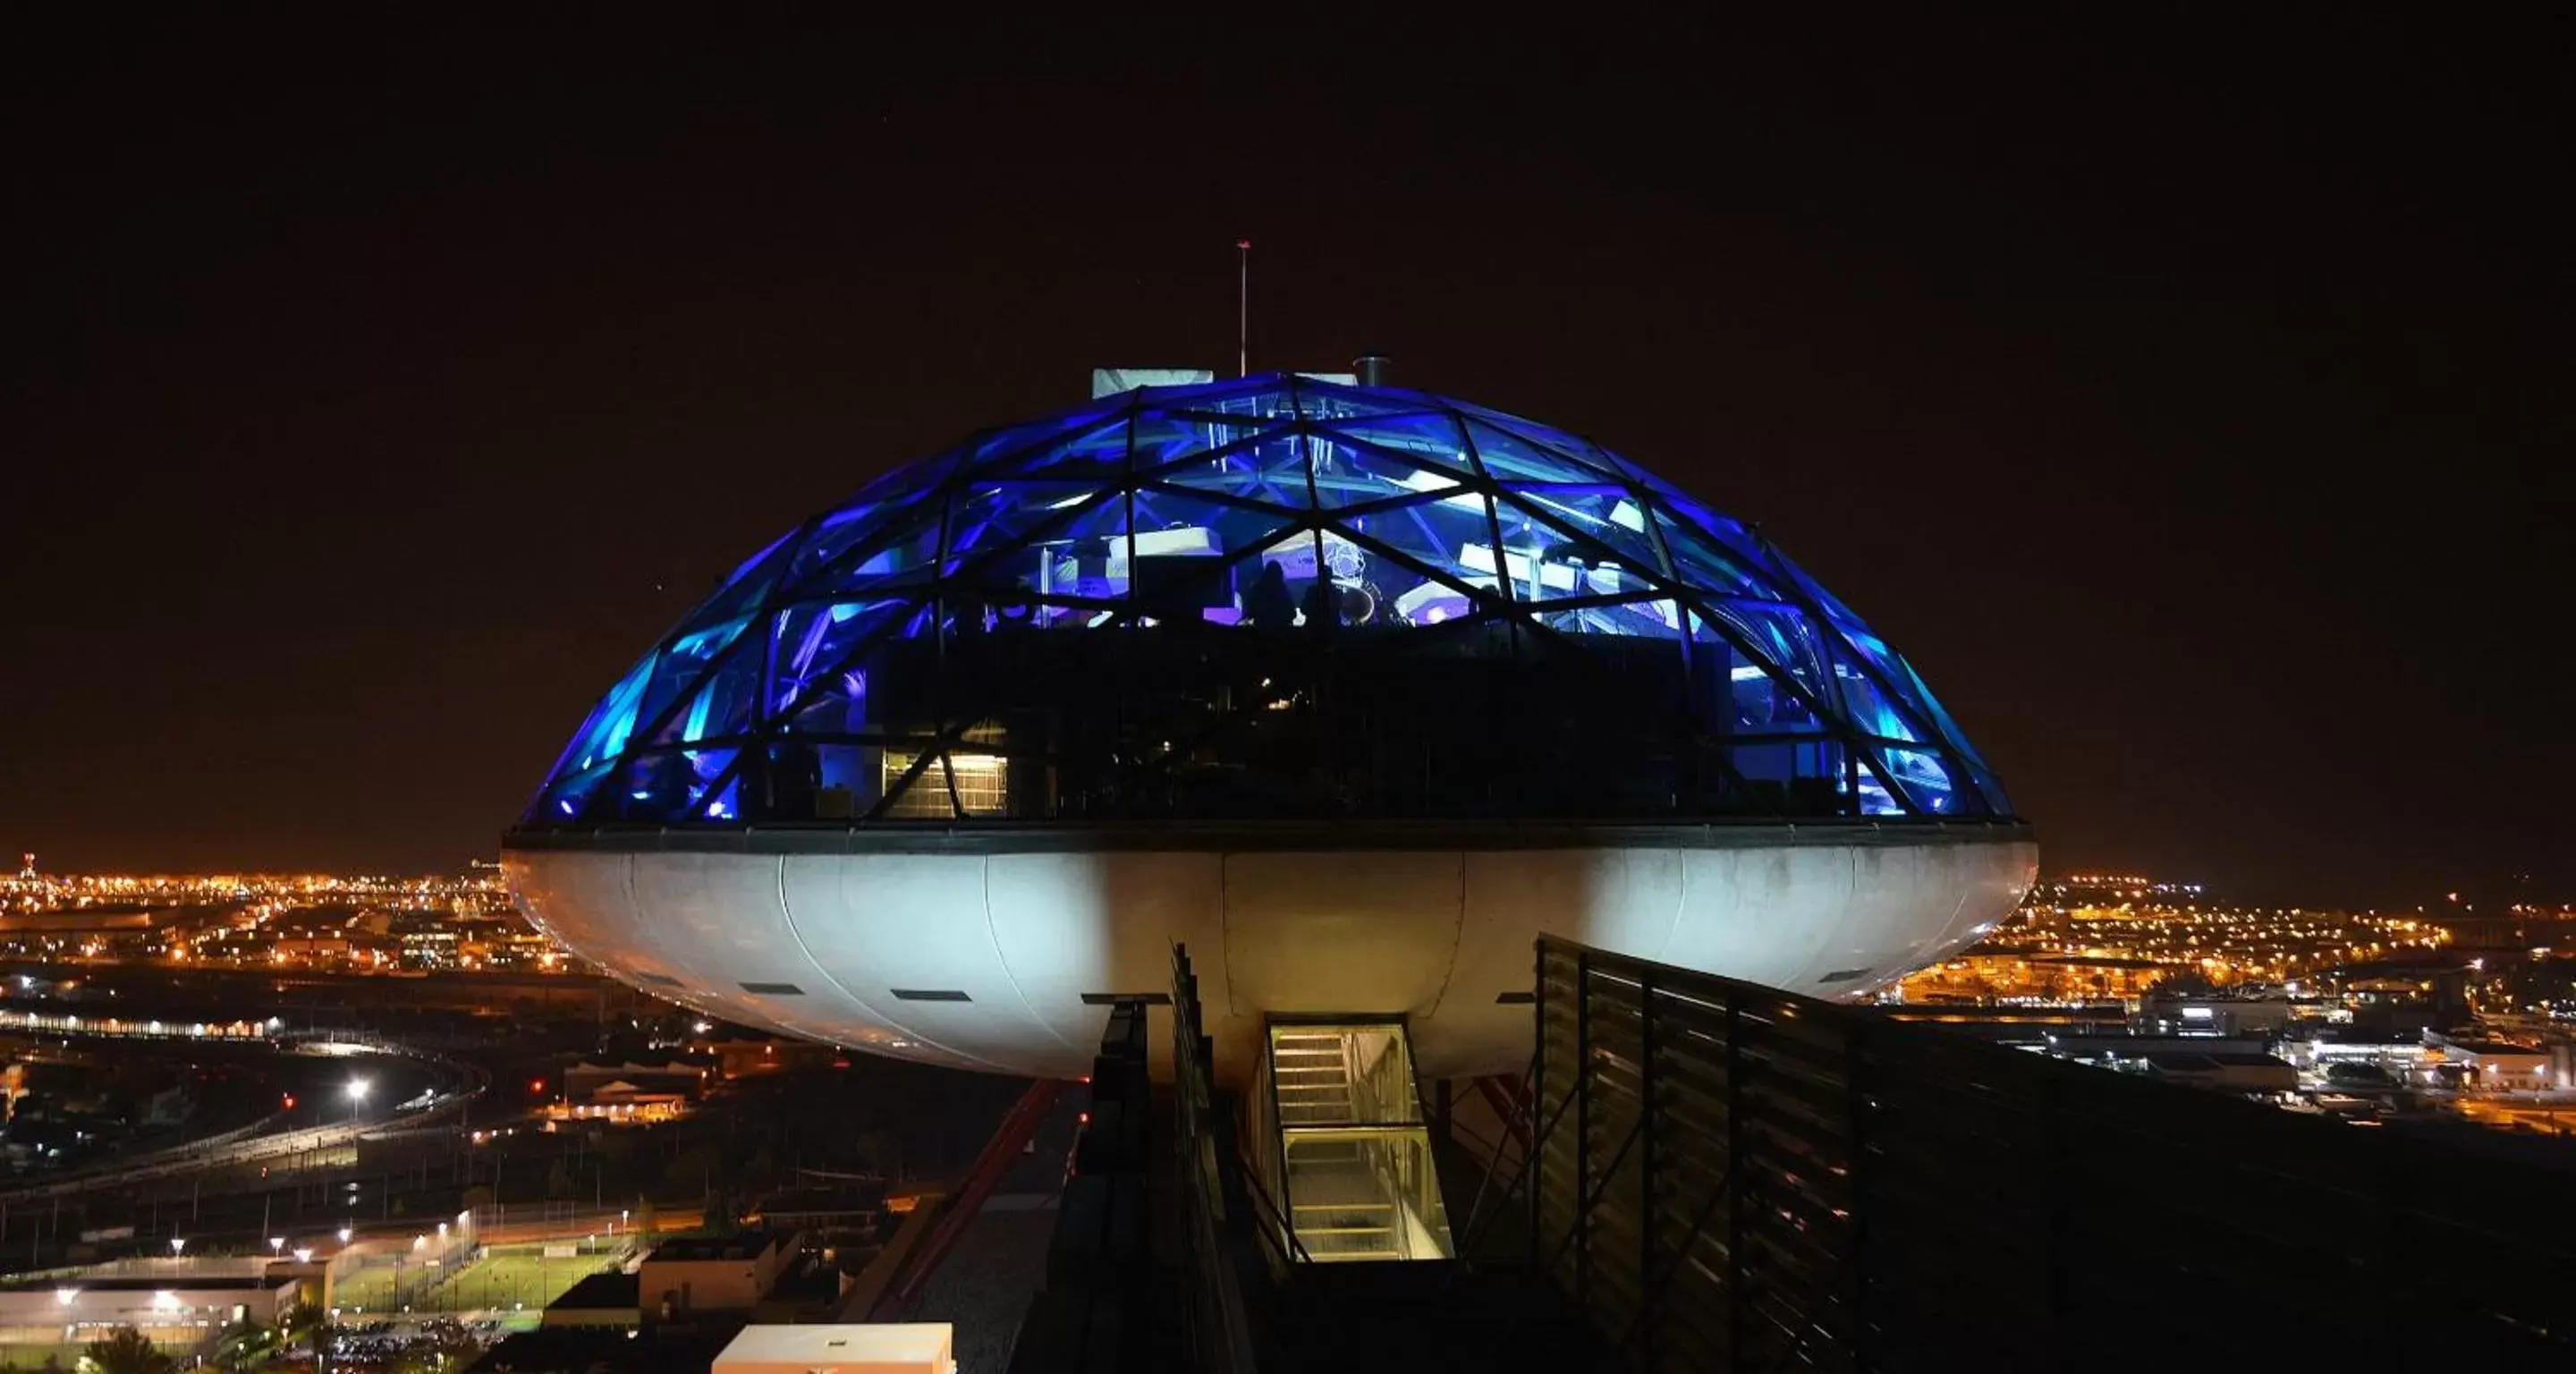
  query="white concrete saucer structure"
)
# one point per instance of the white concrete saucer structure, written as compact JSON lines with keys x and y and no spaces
{"x":1354,"y":690}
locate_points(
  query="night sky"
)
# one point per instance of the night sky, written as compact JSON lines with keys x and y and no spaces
{"x":2190,"y":405}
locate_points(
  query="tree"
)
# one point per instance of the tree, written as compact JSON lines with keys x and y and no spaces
{"x":245,"y":1344}
{"x":296,"y":1320}
{"x":125,"y":1351}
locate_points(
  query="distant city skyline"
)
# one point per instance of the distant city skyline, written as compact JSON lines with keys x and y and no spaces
{"x":2491,"y":897}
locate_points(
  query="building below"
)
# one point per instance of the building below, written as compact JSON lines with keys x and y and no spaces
{"x":176,"y":1311}
{"x":876,"y":1348}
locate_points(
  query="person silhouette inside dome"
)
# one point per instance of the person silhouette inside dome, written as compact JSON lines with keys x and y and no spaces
{"x":1323,"y":602}
{"x":1268,"y":604}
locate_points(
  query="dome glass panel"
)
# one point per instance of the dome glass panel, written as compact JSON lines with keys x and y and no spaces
{"x":1275,"y":597}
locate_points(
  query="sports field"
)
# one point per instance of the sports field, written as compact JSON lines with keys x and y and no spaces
{"x":506,"y":1278}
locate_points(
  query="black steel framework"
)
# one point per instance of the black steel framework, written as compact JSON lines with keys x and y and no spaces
{"x":1265,"y":598}
{"x":1732,"y":1177}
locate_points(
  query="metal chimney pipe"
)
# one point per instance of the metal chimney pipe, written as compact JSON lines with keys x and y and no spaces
{"x":1371,"y":368}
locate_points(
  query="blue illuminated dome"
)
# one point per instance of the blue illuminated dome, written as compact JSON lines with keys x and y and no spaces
{"x":1271,"y":598}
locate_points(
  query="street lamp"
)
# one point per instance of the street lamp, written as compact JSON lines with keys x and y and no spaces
{"x":276,"y":1245}
{"x":178,"y":1244}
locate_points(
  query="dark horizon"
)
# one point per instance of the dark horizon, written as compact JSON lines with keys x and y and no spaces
{"x":2188,"y":408}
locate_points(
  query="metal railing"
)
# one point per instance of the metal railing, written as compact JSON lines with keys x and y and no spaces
{"x":1727,"y":1176}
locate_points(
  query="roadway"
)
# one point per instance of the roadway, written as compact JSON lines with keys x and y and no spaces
{"x":456,"y":1085}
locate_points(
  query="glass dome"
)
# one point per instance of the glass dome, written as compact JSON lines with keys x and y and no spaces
{"x":1267,"y":598}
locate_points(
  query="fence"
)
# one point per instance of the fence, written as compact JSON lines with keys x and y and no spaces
{"x":1733,"y":1177}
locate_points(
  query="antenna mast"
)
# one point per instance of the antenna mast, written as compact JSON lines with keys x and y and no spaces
{"x":1243,"y":308}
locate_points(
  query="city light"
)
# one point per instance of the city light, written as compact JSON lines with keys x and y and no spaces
{"x":277,"y":921}
{"x":178,"y":1244}
{"x":358,"y":1090}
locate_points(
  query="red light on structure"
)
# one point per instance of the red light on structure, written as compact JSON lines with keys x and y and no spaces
{"x":536,"y":1085}
{"x":287,"y":1102}
{"x":1085,"y":1120}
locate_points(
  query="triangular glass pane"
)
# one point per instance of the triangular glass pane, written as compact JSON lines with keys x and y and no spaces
{"x":1601,"y":529}
{"x":603,"y":736}
{"x":725,"y":703}
{"x":566,"y":797}
{"x":680,"y":667}
{"x":655,"y":787}
{"x":1097,"y":455}
{"x":1432,"y":442}
{"x":810,"y":641}
{"x":902,"y":553}
{"x":1991,"y":789}
{"x":909,"y":480}
{"x":741,"y":592}
{"x":1644,"y":618}
{"x":1332,"y":400}
{"x":1430,"y":563}
{"x":1703,"y":566}
{"x":1240,"y":394}
{"x":1582,"y":452}
{"x":826,"y":562}
{"x":1940,"y":715}
{"x":1930,"y":782}
{"x":1775,"y":667}
{"x":1012,"y":445}
{"x":664,"y":787}
{"x":859,"y":693}
{"x":1726,"y":534}
{"x":1161,"y":437}
{"x":1834,"y":609}
{"x":1348,"y":474}
{"x":1272,"y":470}
{"x":1509,"y":457}
{"x":1870,"y":708}
{"x":995,"y":516}
{"x":1875,"y":796}
{"x":1164,"y":438}
{"x":1084,"y":556}
{"x":1178,"y":515}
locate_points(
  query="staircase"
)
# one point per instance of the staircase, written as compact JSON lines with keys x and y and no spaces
{"x":1310,"y":1071}
{"x":1354,"y":1160}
